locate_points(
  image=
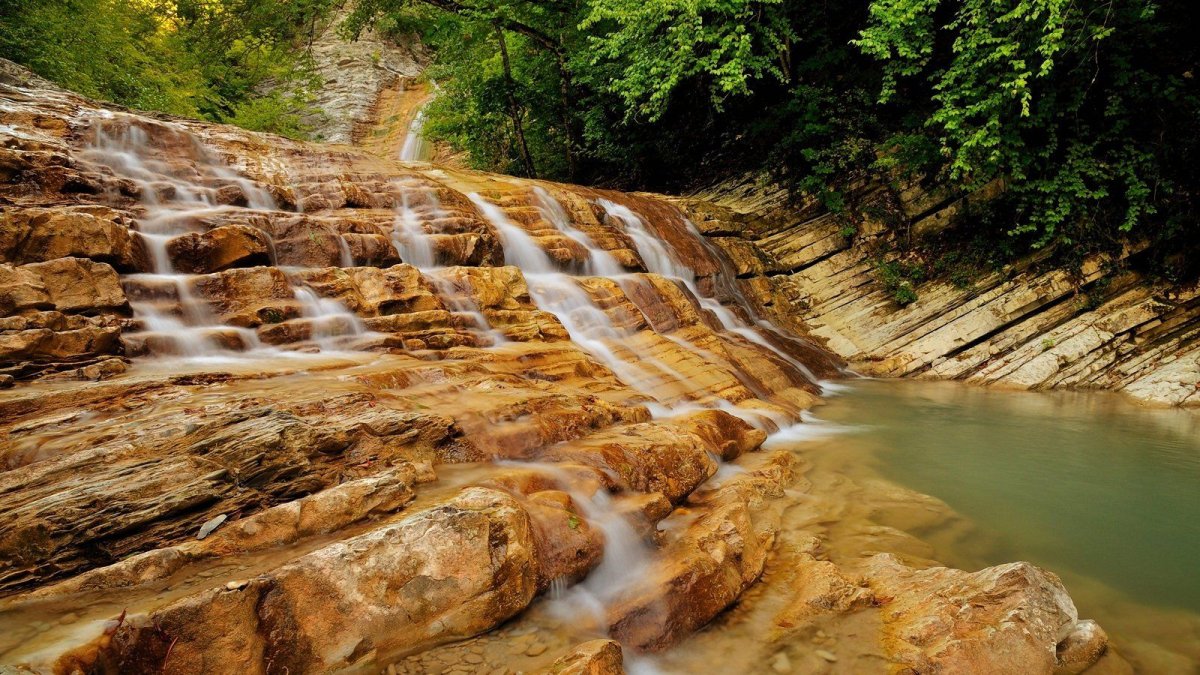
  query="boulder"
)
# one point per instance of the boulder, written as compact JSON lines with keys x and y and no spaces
{"x":95,"y":232}
{"x":219,"y":249}
{"x":22,"y":290}
{"x":1003,"y":619}
{"x":596,"y":657}
{"x":81,"y":286}
{"x":247,"y":297}
{"x":446,"y":572}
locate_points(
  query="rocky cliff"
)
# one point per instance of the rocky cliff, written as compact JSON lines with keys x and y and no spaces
{"x":1024,"y":327}
{"x":287,"y":408}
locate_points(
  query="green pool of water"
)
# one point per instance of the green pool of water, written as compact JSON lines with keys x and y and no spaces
{"x":1081,"y":483}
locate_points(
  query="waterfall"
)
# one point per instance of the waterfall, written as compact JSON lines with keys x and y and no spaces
{"x":416,"y":148}
{"x":178,"y":199}
{"x":600,"y":263}
{"x":330,"y":322}
{"x":409,"y":238}
{"x":660,"y":260}
{"x":559,"y":293}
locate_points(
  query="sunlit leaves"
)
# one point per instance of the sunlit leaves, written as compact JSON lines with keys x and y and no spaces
{"x":660,"y":44}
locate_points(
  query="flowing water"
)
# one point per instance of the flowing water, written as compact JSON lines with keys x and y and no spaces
{"x":1099,"y":490}
{"x":416,"y":148}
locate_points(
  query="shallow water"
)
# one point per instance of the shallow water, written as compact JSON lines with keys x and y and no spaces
{"x":1101,"y":491}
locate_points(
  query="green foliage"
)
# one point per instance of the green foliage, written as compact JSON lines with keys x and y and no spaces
{"x":1081,"y":110}
{"x":899,"y":279}
{"x":224,"y":60}
{"x":1078,"y":109}
{"x":658,"y":45}
{"x":108,"y":49}
{"x":1048,"y":94}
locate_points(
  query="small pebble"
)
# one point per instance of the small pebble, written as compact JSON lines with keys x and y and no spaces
{"x":473,"y":658}
{"x":828,"y":656}
{"x":536,"y":649}
{"x":391,"y":669}
{"x":780,"y":663}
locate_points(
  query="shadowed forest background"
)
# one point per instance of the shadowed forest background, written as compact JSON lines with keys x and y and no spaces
{"x":1077,"y":120}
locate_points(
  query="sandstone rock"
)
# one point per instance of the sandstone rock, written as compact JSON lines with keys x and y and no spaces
{"x":399,"y":289}
{"x":1020,"y":328}
{"x":219,"y":249}
{"x":722,"y":552}
{"x":43,"y":234}
{"x":100,"y":370}
{"x":21,"y":290}
{"x":81,"y":286}
{"x":1082,"y":648}
{"x":819,"y":588}
{"x":247,"y":297}
{"x":597,"y":657}
{"x":42,"y":344}
{"x":748,"y":259}
{"x":1006,"y":618}
{"x":450,"y":591}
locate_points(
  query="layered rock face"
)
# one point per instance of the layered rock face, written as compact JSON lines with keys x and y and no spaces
{"x":1024,"y":327}
{"x":288,"y":408}
{"x":353,"y":74}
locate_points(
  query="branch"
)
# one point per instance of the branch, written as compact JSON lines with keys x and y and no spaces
{"x":528,"y":31}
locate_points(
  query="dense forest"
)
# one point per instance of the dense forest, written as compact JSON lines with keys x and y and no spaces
{"x":238,"y":61}
{"x":1081,"y":115}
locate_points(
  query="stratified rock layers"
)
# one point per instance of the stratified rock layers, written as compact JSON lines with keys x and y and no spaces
{"x":283,"y":408}
{"x":1023,"y":327}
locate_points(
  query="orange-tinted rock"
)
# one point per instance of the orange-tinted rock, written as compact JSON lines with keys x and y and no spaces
{"x":567,"y":546}
{"x":81,"y":286}
{"x":219,"y":249}
{"x":597,"y":657}
{"x":21,"y":290}
{"x":707,"y":567}
{"x":1008,"y":618}
{"x":247,"y":297}
{"x":41,"y":344}
{"x":95,"y":232}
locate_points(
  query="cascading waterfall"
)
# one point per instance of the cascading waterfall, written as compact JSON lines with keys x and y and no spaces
{"x":332,"y":325}
{"x":559,"y":293}
{"x":409,"y":238}
{"x":600,"y":263}
{"x":590,"y":327}
{"x":629,"y":490}
{"x":552,"y":289}
{"x":661,"y":261}
{"x":177,"y":203}
{"x":416,"y":147}
{"x":416,"y":248}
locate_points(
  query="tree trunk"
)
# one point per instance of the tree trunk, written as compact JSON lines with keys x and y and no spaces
{"x":514,"y":110}
{"x":564,"y":92}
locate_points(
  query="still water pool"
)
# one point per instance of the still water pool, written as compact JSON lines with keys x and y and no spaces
{"x":1089,"y":485}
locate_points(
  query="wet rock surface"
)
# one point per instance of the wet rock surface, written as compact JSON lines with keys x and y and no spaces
{"x":287,"y":408}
